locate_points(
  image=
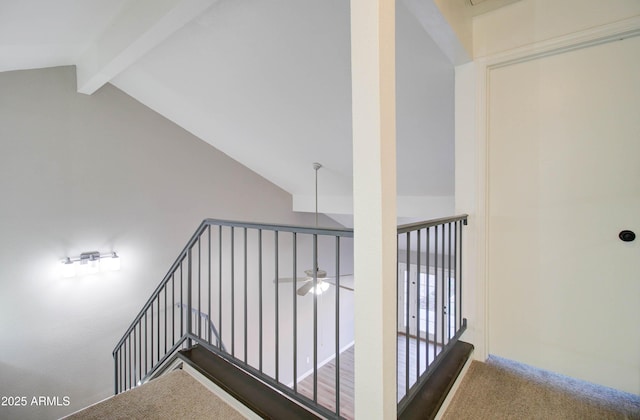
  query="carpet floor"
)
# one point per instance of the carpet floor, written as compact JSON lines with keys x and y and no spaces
{"x":176,"y":395}
{"x":501,"y":389}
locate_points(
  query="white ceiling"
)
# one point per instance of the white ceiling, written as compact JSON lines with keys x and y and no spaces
{"x":45,"y":33}
{"x":266,"y":81}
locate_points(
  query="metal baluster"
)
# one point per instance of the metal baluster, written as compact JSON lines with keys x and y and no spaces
{"x":428,"y":294}
{"x":173,"y":308}
{"x":209,"y":279}
{"x":458,"y":272}
{"x":123,"y":357}
{"x":398,"y":316}
{"x":436,"y":313}
{"x":133,"y":363}
{"x":245,"y":295}
{"x":115,"y":373}
{"x":337,"y":385}
{"x":181,"y":303}
{"x":127,"y":362}
{"x":146,"y":345}
{"x":199,"y":287}
{"x":418,"y":305}
{"x":315,"y":318}
{"x":277,"y":341}
{"x":123,"y":385}
{"x":158,"y":317}
{"x":408,"y":310}
{"x":140,"y":349}
{"x":295,"y":312}
{"x":189,"y":296}
{"x":444,"y":303}
{"x":452,"y":311}
{"x":165,"y":320}
{"x":132,"y":359}
{"x":151,"y":318}
{"x":464,"y":222}
{"x":220,"y":287}
{"x":123,"y":365}
{"x":260,"y":298}
{"x":233,"y":289}
{"x":455,"y":277}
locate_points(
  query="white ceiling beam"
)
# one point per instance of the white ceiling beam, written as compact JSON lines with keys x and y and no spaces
{"x":141,"y":26}
{"x":421,"y":207}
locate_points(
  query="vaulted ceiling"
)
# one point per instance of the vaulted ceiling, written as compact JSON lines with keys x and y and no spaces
{"x":268,"y":82}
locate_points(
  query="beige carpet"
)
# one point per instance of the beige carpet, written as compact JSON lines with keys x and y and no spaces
{"x":176,"y":395}
{"x":501,"y":389}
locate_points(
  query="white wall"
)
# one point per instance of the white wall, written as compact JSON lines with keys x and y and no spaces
{"x":102,"y":172}
{"x":466,"y":177}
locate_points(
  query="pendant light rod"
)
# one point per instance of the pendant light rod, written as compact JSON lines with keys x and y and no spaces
{"x":317,"y":166}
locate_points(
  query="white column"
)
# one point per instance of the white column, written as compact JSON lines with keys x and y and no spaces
{"x":374,"y":174}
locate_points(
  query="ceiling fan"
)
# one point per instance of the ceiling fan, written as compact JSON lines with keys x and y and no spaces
{"x":322,"y":281}
{"x":322,"y":284}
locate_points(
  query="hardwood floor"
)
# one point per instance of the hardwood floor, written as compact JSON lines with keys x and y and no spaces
{"x":326,"y":375}
{"x":326,"y":385}
{"x":426,"y":351}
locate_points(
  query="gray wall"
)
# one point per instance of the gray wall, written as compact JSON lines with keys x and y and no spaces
{"x":102,"y":172}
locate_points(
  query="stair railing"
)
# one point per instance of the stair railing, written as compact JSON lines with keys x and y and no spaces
{"x":227,"y":286}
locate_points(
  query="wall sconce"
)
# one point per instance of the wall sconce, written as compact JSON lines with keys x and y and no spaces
{"x":90,"y":263}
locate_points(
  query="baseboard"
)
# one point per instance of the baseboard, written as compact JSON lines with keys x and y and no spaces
{"x":322,"y":363}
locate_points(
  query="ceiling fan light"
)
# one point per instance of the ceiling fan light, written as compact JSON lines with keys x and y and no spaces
{"x":320,"y":288}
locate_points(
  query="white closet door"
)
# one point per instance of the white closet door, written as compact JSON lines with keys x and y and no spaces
{"x":564,"y":180}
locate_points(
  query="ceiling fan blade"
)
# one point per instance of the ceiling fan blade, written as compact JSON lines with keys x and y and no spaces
{"x":318,"y":273}
{"x":289,"y":279}
{"x":305,"y":288}
{"x":332,"y":281}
